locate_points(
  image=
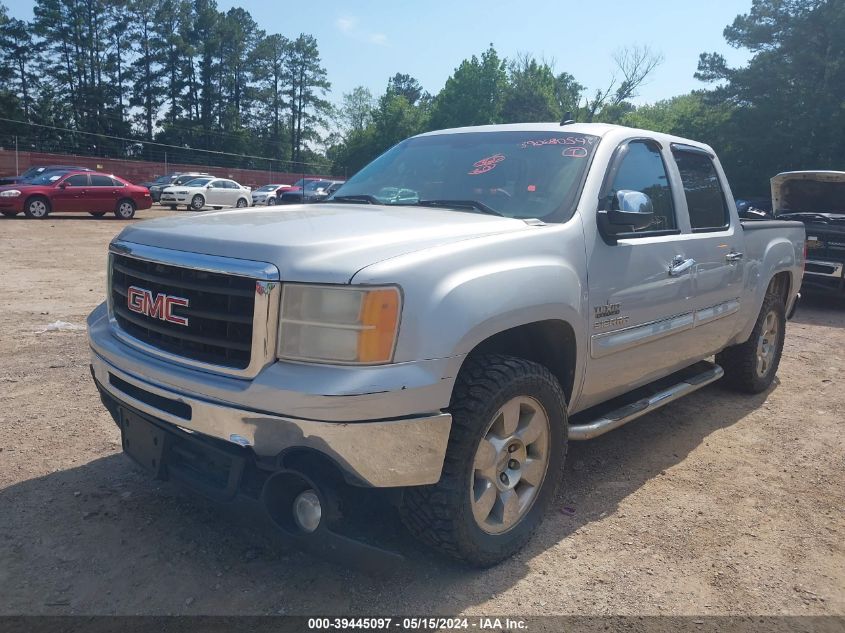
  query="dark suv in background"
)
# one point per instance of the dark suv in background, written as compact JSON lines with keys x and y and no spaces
{"x":176,"y":178}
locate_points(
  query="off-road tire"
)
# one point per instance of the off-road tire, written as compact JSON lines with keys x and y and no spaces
{"x":97,"y":214}
{"x":740,"y":361}
{"x":197,"y":203}
{"x":440,"y":515}
{"x":31,"y":210}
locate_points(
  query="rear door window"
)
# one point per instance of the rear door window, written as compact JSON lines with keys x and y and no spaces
{"x":705,"y":197}
{"x":101,"y":181}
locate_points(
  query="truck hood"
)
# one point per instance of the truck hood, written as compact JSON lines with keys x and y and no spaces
{"x":325,"y":243}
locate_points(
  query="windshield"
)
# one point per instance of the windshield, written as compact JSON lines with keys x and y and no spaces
{"x":47,"y":178}
{"x":197,"y":182}
{"x":515,"y":174}
{"x":268,"y":188}
{"x":163,"y":180}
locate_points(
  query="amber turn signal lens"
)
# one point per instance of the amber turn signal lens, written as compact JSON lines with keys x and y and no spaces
{"x":379,"y":318}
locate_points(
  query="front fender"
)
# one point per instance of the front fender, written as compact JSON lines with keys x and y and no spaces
{"x":458,"y":295}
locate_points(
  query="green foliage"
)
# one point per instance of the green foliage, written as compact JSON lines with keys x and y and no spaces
{"x":473,"y":95}
{"x":789,"y":101}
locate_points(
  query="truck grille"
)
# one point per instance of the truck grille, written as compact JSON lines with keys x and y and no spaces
{"x":219,"y":313}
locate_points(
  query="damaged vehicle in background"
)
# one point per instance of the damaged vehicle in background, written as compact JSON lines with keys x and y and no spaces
{"x":816,"y":198}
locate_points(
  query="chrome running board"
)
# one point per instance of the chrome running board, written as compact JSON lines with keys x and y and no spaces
{"x":624,"y":414}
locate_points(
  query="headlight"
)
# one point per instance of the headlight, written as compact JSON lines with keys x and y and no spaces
{"x":10,"y":193}
{"x":339,"y":324}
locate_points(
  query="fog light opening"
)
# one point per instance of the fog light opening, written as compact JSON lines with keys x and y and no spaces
{"x":307,"y":511}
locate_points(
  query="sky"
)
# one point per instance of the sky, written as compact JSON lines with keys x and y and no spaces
{"x":367,"y":41}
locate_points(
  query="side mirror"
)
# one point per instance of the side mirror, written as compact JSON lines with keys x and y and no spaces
{"x":629,"y":211}
{"x":208,"y":186}
{"x":62,"y":185}
{"x":633,"y":208}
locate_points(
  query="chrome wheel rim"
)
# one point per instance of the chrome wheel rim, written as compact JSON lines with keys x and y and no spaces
{"x":37,"y":209}
{"x":510,"y":465}
{"x":197,"y":202}
{"x":241,"y":204}
{"x":767,"y":343}
{"x":125,"y":210}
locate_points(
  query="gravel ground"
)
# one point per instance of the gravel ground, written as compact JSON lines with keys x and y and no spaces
{"x":717,"y":504}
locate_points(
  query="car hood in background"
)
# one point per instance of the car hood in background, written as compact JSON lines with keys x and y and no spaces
{"x":325,"y":243}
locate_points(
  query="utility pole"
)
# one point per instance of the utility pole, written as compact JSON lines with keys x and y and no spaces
{"x":17,"y":163}
{"x":165,"y":164}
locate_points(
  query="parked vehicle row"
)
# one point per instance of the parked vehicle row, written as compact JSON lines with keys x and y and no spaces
{"x":309,"y":190}
{"x":176,"y":178}
{"x":75,"y":191}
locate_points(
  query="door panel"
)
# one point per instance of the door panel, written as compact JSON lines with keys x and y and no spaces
{"x":640,"y":287}
{"x":716,"y":244}
{"x":71,"y":198}
{"x":641,"y":316}
{"x":101,"y":195}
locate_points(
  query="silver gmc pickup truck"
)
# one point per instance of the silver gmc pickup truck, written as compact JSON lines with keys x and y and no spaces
{"x":441,"y":327}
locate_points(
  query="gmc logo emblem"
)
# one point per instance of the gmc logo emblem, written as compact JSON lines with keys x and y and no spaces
{"x":141,"y":300}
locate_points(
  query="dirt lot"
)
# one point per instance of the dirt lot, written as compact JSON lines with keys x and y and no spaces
{"x":717,"y":504}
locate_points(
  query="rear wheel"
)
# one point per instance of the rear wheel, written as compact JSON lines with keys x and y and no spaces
{"x":125,"y":210}
{"x":503,"y":463}
{"x":242,"y":203}
{"x":751,"y":366}
{"x":97,"y":214}
{"x":197,"y":203}
{"x":37,"y":208}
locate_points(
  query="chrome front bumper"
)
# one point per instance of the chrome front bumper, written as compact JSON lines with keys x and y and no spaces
{"x":388,"y":453}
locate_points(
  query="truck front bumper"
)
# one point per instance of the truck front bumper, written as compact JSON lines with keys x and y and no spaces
{"x":385,"y":453}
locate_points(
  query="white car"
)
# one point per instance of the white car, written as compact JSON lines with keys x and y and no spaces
{"x":268,"y":194}
{"x":207,"y":191}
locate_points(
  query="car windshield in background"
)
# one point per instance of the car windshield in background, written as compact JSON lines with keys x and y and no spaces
{"x":163,"y":180}
{"x":268,"y":188}
{"x":196,"y":182}
{"x":515,"y":174}
{"x":47,"y":178}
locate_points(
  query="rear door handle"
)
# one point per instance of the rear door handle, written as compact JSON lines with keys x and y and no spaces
{"x":680,"y":265}
{"x":733,"y":256}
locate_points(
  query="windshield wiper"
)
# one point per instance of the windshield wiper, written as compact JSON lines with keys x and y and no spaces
{"x":460,"y":204}
{"x":362,"y":197}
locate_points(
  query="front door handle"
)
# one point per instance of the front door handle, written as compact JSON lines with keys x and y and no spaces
{"x":733,"y":256}
{"x":680,"y":265}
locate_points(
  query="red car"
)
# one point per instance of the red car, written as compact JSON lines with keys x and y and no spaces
{"x":77,"y":191}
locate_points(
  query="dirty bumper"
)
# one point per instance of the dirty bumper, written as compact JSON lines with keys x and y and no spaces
{"x":384,"y":453}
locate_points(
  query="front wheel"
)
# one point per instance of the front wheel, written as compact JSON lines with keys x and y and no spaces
{"x":503,"y":464}
{"x":37,"y":208}
{"x":125,"y":210}
{"x":197,"y":203}
{"x":241,"y":203}
{"x":271,"y":201}
{"x":751,"y":366}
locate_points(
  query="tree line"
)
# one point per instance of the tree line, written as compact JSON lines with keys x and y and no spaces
{"x":177,"y":72}
{"x":183,"y":73}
